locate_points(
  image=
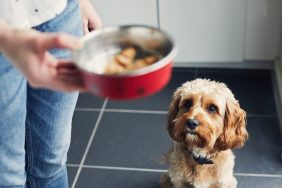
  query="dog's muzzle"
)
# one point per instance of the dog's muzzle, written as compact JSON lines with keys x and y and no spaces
{"x":192,"y":123}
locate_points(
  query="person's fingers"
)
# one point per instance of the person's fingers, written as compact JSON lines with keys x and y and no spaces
{"x":71,"y":72}
{"x":49,"y":59}
{"x":70,"y":83}
{"x":67,"y":68}
{"x":85,"y":27}
{"x":69,"y":76}
{"x":61,"y":82}
{"x":90,"y":28}
{"x":91,"y":25}
{"x":95,"y":21}
{"x":66,"y":64}
{"x":59,"y":40}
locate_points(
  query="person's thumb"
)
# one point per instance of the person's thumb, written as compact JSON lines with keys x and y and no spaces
{"x":60,"y":40}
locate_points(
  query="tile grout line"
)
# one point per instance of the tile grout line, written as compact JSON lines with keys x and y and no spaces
{"x":158,"y":14}
{"x":157,"y":112}
{"x":89,"y":144}
{"x":137,"y":111}
{"x":124,"y":168}
{"x":163,"y":170}
{"x":87,"y":109}
{"x":258,"y":175}
{"x":72,"y":165}
{"x":122,"y":110}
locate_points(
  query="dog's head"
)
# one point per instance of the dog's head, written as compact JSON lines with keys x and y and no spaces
{"x":204,"y":114}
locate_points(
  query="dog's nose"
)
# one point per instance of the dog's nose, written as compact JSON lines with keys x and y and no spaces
{"x":192,"y":123}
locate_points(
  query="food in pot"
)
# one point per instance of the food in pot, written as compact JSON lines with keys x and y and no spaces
{"x":128,"y":60}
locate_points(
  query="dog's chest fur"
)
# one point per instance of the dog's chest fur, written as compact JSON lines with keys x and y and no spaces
{"x":183,"y":168}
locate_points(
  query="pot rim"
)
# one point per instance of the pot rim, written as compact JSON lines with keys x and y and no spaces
{"x":141,"y":71}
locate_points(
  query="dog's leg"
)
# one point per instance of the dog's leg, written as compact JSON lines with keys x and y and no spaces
{"x":232,"y":183}
{"x":165,"y":181}
{"x":182,"y":185}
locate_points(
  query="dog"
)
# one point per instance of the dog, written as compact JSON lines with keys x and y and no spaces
{"x":205,"y":122}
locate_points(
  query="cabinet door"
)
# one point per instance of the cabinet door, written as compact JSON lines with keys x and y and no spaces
{"x":205,"y":31}
{"x":122,"y":12}
{"x":263,"y":29}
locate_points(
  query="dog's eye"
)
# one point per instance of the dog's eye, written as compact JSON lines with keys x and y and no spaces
{"x":188,"y":104}
{"x":212,"y":108}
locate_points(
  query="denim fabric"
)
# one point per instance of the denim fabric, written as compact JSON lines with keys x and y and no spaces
{"x":35,"y":124}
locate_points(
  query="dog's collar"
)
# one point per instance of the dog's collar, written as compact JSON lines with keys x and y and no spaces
{"x":202,"y":160}
{"x":198,"y":158}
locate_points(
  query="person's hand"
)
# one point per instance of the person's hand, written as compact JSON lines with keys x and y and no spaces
{"x":28,"y":51}
{"x":91,"y":19}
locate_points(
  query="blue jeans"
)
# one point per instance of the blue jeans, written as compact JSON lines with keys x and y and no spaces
{"x":35,"y":124}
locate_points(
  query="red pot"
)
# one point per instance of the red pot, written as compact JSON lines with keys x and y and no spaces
{"x":102,"y":44}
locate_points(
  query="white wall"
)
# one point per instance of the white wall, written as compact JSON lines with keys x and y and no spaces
{"x":115,"y":12}
{"x":263,"y":27}
{"x":206,"y":31}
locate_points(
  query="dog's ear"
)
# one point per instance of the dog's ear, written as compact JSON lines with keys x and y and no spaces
{"x":234,"y":132}
{"x":172,"y":113}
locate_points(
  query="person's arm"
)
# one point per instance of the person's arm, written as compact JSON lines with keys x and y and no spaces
{"x":4,"y":31}
{"x":90,"y":17}
{"x":27,"y":50}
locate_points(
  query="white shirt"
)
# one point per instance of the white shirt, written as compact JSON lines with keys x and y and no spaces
{"x":28,"y":13}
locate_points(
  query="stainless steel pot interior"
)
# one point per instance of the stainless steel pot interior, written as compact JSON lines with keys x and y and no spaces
{"x":103,"y":44}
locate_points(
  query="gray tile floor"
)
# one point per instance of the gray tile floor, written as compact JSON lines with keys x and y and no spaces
{"x":119,"y":144}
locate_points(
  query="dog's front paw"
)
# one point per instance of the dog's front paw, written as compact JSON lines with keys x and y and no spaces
{"x":165,"y":181}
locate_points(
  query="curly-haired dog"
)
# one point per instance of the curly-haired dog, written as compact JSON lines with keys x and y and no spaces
{"x":205,"y":121}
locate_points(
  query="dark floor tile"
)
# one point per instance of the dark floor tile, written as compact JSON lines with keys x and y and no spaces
{"x":71,"y":174}
{"x":129,"y":140}
{"x":160,"y":100}
{"x":82,"y":126}
{"x":137,"y":140}
{"x":261,"y":153}
{"x":87,"y":100}
{"x":258,"y":182}
{"x":118,"y":179}
{"x":129,"y":179}
{"x":253,"y":88}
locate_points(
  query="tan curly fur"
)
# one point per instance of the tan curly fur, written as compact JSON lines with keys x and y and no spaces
{"x":221,"y":128}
